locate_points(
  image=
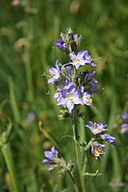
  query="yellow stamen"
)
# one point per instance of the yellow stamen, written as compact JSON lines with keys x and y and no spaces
{"x":122,"y":129}
{"x":77,"y":58}
{"x":89,"y":100}
{"x":95,"y":124}
{"x":96,"y":153}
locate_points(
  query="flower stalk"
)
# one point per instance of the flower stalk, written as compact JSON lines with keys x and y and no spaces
{"x":76,"y":87}
{"x":77,"y":148}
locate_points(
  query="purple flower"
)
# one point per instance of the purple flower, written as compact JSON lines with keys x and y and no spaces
{"x":77,"y":39}
{"x":88,"y":59}
{"x":31,"y":116}
{"x":108,"y":138}
{"x":96,"y":128}
{"x":97,"y":149}
{"x":78,"y":59}
{"x":87,"y":99}
{"x":60,"y":44}
{"x":125,"y":116}
{"x":55,"y":73}
{"x":51,"y":157}
{"x":89,"y":82}
{"x":124,"y":128}
{"x":68,"y":96}
{"x":81,"y":58}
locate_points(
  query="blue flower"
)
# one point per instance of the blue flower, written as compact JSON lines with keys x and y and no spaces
{"x":97,"y":149}
{"x":77,"y":59}
{"x":51,"y":157}
{"x":31,"y":116}
{"x":125,"y":116}
{"x":68,"y":96}
{"x":55,"y":73}
{"x":60,"y":44}
{"x":89,"y":81}
{"x":108,"y":138}
{"x":88,"y":59}
{"x":81,"y":58}
{"x":124,"y":128}
{"x":96,"y":128}
{"x":77,"y":39}
{"x":87,"y":99}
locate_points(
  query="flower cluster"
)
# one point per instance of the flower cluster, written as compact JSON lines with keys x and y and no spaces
{"x":56,"y":163}
{"x":73,"y":85}
{"x":53,"y":160}
{"x":124,"y":125}
{"x":98,"y":130}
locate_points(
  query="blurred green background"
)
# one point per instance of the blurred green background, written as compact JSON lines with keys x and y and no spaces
{"x":28,"y":114}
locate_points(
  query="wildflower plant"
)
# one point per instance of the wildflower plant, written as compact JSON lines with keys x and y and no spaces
{"x":75,"y":86}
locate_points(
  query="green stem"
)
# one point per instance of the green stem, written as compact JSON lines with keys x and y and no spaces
{"x":28,"y":72}
{"x":10,"y":165}
{"x":74,"y":181}
{"x":77,"y":148}
{"x":84,"y":167}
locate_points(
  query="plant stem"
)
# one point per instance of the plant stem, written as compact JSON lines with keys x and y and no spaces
{"x":28,"y":71}
{"x":77,"y":148}
{"x":10,"y":165}
{"x":74,"y":181}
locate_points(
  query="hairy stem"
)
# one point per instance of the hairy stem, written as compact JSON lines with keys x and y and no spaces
{"x":77,"y":148}
{"x":74,"y":181}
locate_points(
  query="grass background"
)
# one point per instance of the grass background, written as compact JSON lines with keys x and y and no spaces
{"x":27,"y":34}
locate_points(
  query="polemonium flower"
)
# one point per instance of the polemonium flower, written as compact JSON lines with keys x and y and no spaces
{"x":81,"y":58}
{"x":55,"y":73}
{"x":31,"y":116}
{"x":124,"y":128}
{"x":54,"y":161}
{"x":125,"y":116}
{"x":97,"y":149}
{"x":77,"y":59}
{"x":68,"y":96}
{"x":77,"y":39}
{"x":96,"y":128}
{"x":87,"y":99}
{"x":108,"y":138}
{"x":88,"y":81}
{"x":60,"y":44}
{"x":88,"y":59}
{"x":51,"y":158}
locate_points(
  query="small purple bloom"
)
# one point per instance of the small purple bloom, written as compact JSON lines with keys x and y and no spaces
{"x":70,"y":99}
{"x":87,"y":99}
{"x":90,"y":82}
{"x":88,"y":59}
{"x":97,"y":149}
{"x":55,"y":73}
{"x":89,"y":76}
{"x":81,"y":58}
{"x":68,"y":96}
{"x":78,"y":59}
{"x":108,"y":138}
{"x":96,"y":128}
{"x":125,"y":116}
{"x":60,"y":44}
{"x":51,"y":157}
{"x":31,"y":116}
{"x":78,"y":39}
{"x":124,"y":128}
